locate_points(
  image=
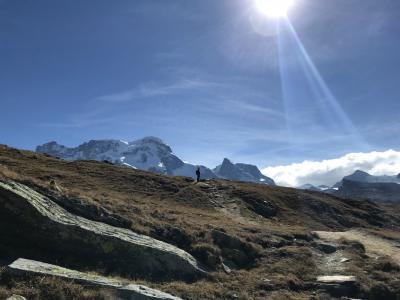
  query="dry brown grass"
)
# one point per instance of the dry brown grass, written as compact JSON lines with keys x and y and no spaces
{"x":177,"y":211}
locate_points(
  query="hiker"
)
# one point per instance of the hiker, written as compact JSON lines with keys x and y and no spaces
{"x":198,"y":174}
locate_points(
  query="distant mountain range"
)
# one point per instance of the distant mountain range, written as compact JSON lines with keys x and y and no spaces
{"x":360,"y":184}
{"x":152,"y":154}
{"x":361,"y":176}
{"x":319,"y":188}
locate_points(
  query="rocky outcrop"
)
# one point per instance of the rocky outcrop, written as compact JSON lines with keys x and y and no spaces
{"x":124,"y":290}
{"x":30,"y":220}
{"x":80,"y":207}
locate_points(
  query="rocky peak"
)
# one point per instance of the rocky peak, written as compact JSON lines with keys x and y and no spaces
{"x":152,"y":154}
{"x":49,"y":145}
{"x":52,"y":148}
{"x":52,"y":144}
{"x":226,"y":163}
{"x":149,"y":153}
{"x":227,"y":169}
{"x":360,"y":173}
{"x":150,"y":140}
{"x":151,"y":144}
{"x":242,"y":172}
{"x":251,"y":169}
{"x":358,"y":176}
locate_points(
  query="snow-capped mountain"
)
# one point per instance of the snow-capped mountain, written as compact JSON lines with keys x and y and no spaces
{"x":321,"y":188}
{"x":150,"y":154}
{"x":311,"y":187}
{"x":241,"y":172}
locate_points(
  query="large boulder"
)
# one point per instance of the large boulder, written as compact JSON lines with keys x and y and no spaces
{"x":36,"y":227}
{"x":124,"y":290}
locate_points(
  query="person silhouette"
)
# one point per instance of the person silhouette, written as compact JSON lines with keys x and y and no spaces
{"x":198,"y":174}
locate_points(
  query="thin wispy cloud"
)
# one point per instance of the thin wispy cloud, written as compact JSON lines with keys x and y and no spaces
{"x":253,"y":108}
{"x":152,"y":89}
{"x":202,"y":73}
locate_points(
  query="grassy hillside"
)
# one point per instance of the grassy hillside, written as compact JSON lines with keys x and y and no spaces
{"x":262,"y":233}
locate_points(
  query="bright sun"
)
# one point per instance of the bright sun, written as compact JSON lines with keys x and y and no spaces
{"x":274,"y":8}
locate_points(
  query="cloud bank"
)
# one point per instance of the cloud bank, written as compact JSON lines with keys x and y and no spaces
{"x":329,"y":172}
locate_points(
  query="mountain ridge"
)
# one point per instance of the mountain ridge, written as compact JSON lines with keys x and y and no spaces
{"x":150,"y":154}
{"x":363,"y":185}
{"x":241,"y":172}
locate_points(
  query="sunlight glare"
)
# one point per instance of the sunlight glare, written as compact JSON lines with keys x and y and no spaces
{"x":274,"y":8}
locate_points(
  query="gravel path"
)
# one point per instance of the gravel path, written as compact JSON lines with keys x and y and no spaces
{"x":374,"y":245}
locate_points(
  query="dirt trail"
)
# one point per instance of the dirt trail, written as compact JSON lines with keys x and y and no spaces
{"x":374,"y":245}
{"x":331,"y":264}
{"x":232,"y":208}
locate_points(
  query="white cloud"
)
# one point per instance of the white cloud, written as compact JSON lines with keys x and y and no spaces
{"x":331,"y":171}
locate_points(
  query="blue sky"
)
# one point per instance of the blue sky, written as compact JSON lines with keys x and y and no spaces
{"x":212,"y":78}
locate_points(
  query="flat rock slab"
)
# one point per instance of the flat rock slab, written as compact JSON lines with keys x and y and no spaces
{"x":339,"y":285}
{"x":337,"y":279}
{"x":31,"y":220}
{"x":16,"y":297}
{"x":125,"y":290}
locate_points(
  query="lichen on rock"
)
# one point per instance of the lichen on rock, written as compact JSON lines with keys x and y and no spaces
{"x":61,"y":236}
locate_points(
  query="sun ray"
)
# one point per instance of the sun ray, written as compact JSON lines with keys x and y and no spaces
{"x":307,"y":97}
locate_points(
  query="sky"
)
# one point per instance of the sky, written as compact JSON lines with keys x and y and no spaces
{"x":213,"y":79}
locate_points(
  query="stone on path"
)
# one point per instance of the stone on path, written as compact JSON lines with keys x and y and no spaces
{"x":336,"y":279}
{"x":339,"y":285}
